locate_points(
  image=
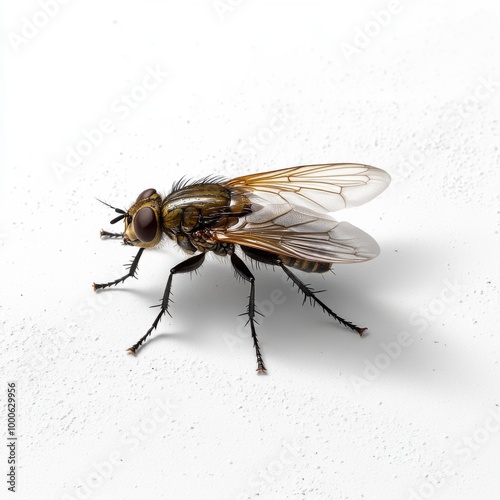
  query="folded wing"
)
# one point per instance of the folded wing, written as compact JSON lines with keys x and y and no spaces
{"x":323,"y":188}
{"x":301,"y":233}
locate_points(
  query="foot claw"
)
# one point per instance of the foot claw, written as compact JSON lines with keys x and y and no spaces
{"x":131,"y":350}
{"x":361,"y":331}
{"x":261,"y":369}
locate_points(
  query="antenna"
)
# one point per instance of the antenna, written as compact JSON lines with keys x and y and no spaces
{"x":122,"y":213}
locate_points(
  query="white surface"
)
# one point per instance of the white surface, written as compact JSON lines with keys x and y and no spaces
{"x":414,"y":101}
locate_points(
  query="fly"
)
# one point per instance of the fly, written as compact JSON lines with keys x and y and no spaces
{"x":280,"y":218}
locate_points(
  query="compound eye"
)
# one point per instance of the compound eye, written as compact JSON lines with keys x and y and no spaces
{"x":146,"y":194}
{"x":145,"y":224}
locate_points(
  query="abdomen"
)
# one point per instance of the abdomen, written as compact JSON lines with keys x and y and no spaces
{"x":308,"y":266}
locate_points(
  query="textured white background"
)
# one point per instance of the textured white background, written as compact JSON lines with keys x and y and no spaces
{"x":258,"y":86}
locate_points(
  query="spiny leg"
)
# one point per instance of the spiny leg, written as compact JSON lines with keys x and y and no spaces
{"x":311,"y":294}
{"x":110,"y":235}
{"x":132,"y":269}
{"x":186,"y":266}
{"x":308,"y":291}
{"x":243,"y":271}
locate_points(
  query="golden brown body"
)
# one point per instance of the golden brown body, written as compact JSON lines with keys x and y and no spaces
{"x":191,"y":213}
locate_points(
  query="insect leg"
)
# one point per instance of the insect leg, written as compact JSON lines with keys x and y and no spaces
{"x":243,"y":271}
{"x":132,"y":269}
{"x":186,"y":266}
{"x":308,"y":291}
{"x":110,"y":235}
{"x":311,"y":294}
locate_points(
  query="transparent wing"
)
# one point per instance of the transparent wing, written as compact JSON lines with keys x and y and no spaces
{"x":323,"y":188}
{"x":301,"y":233}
